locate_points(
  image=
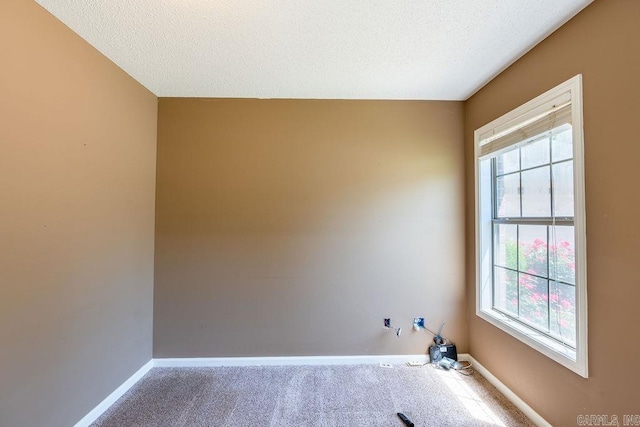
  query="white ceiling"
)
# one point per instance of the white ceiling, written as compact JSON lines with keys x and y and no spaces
{"x":339,"y":49}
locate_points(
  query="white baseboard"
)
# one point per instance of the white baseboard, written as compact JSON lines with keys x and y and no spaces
{"x":95,"y":413}
{"x":287,"y":361}
{"x":506,"y":391}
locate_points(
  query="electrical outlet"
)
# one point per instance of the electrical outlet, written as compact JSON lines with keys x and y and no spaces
{"x":418,"y":323}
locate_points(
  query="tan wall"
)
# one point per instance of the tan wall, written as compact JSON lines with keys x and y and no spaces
{"x":77,"y":164}
{"x":293,"y":227}
{"x":602,"y":43}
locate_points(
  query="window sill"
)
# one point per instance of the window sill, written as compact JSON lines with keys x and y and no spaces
{"x":567,"y":357}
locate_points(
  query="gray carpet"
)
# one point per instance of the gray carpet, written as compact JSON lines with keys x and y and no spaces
{"x":357,"y":395}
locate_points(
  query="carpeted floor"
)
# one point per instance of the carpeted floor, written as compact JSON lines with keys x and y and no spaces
{"x":356,"y":395}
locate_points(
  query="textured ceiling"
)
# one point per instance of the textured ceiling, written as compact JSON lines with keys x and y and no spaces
{"x":340,"y":49}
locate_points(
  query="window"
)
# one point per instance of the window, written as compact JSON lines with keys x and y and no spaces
{"x":530,"y":225}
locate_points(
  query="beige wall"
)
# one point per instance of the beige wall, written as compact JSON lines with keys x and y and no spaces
{"x":77,"y":164}
{"x":602,"y":43}
{"x":293,"y":227}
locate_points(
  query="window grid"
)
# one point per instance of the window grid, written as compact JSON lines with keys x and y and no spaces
{"x":551,"y":163}
{"x":520,"y":220}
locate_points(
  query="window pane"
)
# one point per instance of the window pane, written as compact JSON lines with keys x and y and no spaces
{"x":534,"y":300}
{"x":508,"y":203}
{"x":535,"y":154}
{"x":563,"y":189}
{"x":536,"y":199}
{"x":562,"y":254}
{"x":505,"y":291}
{"x":533,"y":249}
{"x":508,"y":162}
{"x":506,"y":245}
{"x":563,"y":311}
{"x":562,"y":145}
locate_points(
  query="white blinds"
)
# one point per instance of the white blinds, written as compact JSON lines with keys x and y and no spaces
{"x":556,"y":113}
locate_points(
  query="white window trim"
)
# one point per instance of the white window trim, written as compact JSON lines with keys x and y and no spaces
{"x":577,"y":360}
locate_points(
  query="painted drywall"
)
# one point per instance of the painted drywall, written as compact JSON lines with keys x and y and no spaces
{"x":601,"y":43}
{"x":293,"y":227}
{"x":77,"y":171}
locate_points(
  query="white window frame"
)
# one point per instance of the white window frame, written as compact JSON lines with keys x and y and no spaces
{"x":575,"y":360}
